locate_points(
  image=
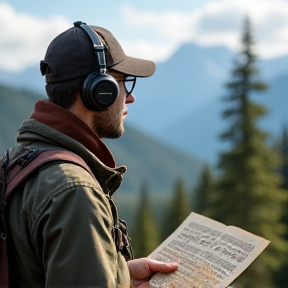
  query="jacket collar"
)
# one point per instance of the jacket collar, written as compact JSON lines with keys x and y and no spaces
{"x":59,"y":131}
{"x":67,"y":123}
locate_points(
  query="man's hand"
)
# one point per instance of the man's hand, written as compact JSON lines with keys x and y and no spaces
{"x":142,"y":269}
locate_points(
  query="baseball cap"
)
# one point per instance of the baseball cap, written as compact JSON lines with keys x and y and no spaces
{"x":71,"y":55}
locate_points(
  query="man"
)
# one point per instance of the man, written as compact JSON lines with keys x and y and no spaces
{"x":64,"y":225}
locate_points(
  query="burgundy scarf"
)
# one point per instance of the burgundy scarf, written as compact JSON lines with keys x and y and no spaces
{"x":69,"y":124}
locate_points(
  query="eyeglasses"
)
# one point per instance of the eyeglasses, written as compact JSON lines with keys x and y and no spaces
{"x":129,"y":84}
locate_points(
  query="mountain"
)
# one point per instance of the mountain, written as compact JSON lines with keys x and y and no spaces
{"x":16,"y":105}
{"x":191,"y":79}
{"x":181,"y":104}
{"x":153,"y":162}
{"x":29,"y":79}
{"x":197,"y":132}
{"x":180,"y":85}
{"x":147,"y":159}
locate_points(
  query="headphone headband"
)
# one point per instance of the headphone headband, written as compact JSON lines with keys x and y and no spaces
{"x":100,"y":89}
{"x":97,"y":44}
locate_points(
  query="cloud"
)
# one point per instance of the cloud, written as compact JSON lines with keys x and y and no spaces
{"x":154,"y":35}
{"x":218,"y":22}
{"x":24,"y":38}
{"x":147,"y":49}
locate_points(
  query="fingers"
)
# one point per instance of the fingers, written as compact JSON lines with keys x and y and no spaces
{"x":158,"y":266}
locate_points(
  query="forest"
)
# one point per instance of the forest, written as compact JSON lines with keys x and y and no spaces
{"x":249,"y":188}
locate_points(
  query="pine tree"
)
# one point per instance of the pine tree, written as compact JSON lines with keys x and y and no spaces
{"x":248,"y":194}
{"x":177,"y":211}
{"x":203,"y":192}
{"x":283,"y":149}
{"x":281,"y":276}
{"x":283,"y":170}
{"x":145,"y":235}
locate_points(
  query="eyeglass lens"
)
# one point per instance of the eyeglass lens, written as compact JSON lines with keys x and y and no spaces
{"x":129,"y":83}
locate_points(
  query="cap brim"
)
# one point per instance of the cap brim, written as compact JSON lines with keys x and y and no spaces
{"x":135,"y":67}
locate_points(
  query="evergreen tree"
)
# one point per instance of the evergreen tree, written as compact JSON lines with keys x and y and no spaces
{"x":281,"y":276}
{"x":177,"y":211}
{"x":283,"y":150}
{"x":145,"y":235}
{"x":248,"y":193}
{"x":203,"y":192}
{"x":283,"y":170}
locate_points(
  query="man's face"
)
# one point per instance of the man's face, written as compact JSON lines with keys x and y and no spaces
{"x":109,"y":123}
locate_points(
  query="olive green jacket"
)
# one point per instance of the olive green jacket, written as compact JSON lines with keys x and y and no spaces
{"x":61,"y":220}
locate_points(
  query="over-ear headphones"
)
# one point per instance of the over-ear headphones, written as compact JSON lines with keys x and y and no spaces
{"x":100,"y":90}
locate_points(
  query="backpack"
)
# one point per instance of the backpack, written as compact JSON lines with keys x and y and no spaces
{"x":15,"y":167}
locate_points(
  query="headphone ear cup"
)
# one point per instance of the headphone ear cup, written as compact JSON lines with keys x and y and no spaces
{"x":99,"y":91}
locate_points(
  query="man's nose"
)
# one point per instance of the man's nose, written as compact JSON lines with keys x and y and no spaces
{"x":130,"y":99}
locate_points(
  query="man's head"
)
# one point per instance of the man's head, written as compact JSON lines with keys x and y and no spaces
{"x":73,"y":67}
{"x":76,"y":53}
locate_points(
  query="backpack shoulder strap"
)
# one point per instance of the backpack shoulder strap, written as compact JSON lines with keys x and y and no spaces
{"x":20,"y":167}
{"x":19,"y":174}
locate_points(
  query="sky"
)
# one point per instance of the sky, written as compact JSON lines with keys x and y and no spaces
{"x":150,"y":29}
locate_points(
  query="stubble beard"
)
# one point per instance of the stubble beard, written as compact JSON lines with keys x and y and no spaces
{"x":108,"y":123}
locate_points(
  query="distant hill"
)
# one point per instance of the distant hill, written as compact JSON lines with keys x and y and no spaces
{"x":152,"y":161}
{"x":184,"y":83}
{"x":198,"y":132}
{"x":16,"y":105}
{"x":147,"y":159}
{"x":187,"y":83}
{"x":182,"y":103}
{"x":30,"y":79}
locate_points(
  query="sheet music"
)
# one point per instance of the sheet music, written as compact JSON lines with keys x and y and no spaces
{"x":206,"y":251}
